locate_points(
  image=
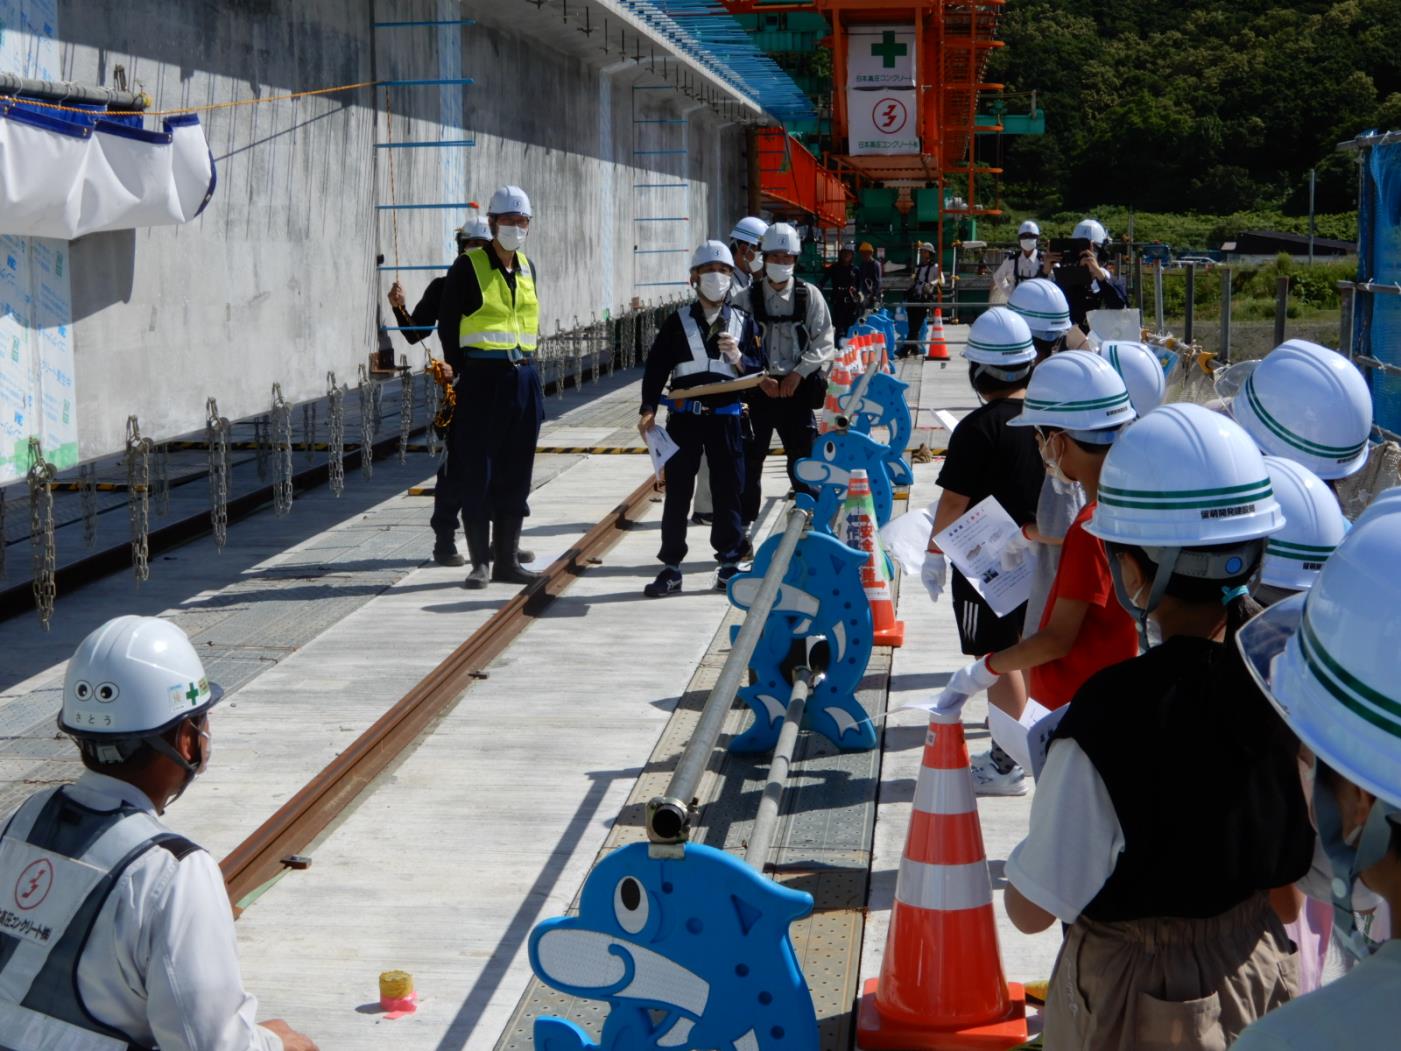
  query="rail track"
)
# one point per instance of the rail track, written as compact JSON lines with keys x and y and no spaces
{"x":264,"y":855}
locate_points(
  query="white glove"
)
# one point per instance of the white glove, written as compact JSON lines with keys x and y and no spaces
{"x":1015,"y":552}
{"x":967,"y":681}
{"x":935,"y":574}
{"x":729,"y":348}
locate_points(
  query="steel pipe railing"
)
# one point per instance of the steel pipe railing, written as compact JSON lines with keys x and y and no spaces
{"x":766,"y":821}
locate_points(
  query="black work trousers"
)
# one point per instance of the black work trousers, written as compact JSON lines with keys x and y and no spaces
{"x":495,"y":428}
{"x":797,"y":429}
{"x":916,"y":316}
{"x":447,"y":506}
{"x":719,"y":438}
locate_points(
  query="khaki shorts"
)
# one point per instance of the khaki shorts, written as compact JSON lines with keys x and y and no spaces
{"x":1149,"y":985}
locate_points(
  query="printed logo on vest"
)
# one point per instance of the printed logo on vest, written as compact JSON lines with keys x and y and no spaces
{"x":34,"y":884}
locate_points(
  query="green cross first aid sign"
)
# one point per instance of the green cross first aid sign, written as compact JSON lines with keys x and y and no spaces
{"x":881,"y":56}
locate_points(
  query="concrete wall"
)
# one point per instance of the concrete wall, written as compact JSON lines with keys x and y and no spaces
{"x":277,"y":280}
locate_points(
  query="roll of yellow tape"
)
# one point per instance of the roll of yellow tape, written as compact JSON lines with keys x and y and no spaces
{"x":395,"y":985}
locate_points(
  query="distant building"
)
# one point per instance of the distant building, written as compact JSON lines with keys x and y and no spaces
{"x":1272,"y":242}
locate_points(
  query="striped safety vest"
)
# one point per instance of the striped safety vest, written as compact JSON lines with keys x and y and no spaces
{"x":701,"y":362}
{"x":59,"y":861}
{"x":504,"y":321}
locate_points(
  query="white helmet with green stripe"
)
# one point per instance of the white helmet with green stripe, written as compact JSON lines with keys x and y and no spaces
{"x":1313,"y":526}
{"x":1042,"y":305}
{"x":1142,"y":371}
{"x":1184,"y":476}
{"x":1330,"y":660}
{"x":1000,"y":342}
{"x":1310,"y":405}
{"x":1079,"y":392}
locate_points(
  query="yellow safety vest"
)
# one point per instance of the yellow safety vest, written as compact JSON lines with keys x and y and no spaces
{"x":502,"y":322}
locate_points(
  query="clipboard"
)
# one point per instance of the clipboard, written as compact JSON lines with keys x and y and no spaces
{"x":723,"y":387}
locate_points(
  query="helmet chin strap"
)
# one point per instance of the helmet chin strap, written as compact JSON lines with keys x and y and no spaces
{"x":1155,"y":593}
{"x":192,"y":770}
{"x":1349,"y":860}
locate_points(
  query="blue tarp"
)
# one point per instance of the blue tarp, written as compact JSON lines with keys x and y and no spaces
{"x":1379,"y":328}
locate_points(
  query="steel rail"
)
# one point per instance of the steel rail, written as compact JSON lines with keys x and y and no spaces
{"x":294,"y":826}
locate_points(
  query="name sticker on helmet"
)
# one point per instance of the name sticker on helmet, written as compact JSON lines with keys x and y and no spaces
{"x":1229,"y":512}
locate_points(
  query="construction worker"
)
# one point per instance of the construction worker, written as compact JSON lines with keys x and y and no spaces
{"x":744,"y":247}
{"x":1310,"y":405}
{"x":447,"y":503}
{"x":1169,"y":805}
{"x":928,"y":279}
{"x":117,"y":932}
{"x":799,"y":344}
{"x":489,"y":326}
{"x":708,"y":341}
{"x":1083,"y":275}
{"x":988,"y":458}
{"x":869,"y":269}
{"x":843,"y":282}
{"x":1329,"y":661}
{"x":1025,"y":263}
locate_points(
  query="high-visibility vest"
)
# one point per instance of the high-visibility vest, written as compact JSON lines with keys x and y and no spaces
{"x":56,"y":885}
{"x":503,"y":321}
{"x":700,"y":361}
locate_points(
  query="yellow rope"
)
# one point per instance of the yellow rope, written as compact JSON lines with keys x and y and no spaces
{"x":199,"y":109}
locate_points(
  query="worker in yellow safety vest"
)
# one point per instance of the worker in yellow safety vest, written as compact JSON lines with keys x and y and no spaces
{"x":489,"y":325}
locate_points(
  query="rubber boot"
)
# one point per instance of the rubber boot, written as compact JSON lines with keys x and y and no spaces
{"x":522,"y":555}
{"x":479,"y":550}
{"x":506,"y":567}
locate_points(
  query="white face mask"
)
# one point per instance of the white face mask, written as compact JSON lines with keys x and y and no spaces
{"x":756,"y":262}
{"x":713,"y":286}
{"x":511,"y":237}
{"x":1028,"y":243}
{"x":779,"y":273}
{"x":1060,"y":481}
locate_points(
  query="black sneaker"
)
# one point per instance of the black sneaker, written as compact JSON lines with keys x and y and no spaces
{"x":450,"y":557}
{"x":724,"y":575}
{"x":668,"y":582}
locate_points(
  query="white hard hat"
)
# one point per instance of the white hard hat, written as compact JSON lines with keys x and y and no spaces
{"x":780,"y":237}
{"x":1142,"y":371}
{"x":924,"y":246}
{"x":1388,"y":501}
{"x":509,"y":200}
{"x":1330,"y":659}
{"x":477,"y":229}
{"x":749,"y":230}
{"x":1078,"y":392}
{"x":1091,"y":230}
{"x":1309,"y":404}
{"x":712,"y":252}
{"x":1043,"y":306}
{"x":1028,"y":227}
{"x":1313,"y":526}
{"x":1184,"y":476}
{"x":131,"y":678}
{"x":1000,"y":338}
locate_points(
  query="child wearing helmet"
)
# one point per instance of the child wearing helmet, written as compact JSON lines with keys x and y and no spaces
{"x":1169,"y":805}
{"x":1078,"y":407}
{"x":987,"y":457}
{"x":1330,"y":661}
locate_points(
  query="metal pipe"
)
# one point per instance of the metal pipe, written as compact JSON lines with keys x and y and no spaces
{"x":669,"y":816}
{"x":1281,"y":307}
{"x":766,"y":820}
{"x":66,"y":91}
{"x":1158,"y":295}
{"x":1347,"y":300}
{"x":1224,"y":354}
{"x":1189,"y":319}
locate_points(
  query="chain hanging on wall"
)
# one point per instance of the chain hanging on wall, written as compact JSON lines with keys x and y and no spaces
{"x":216,"y":440}
{"x":162,"y":480}
{"x":433,"y":395}
{"x":335,"y":452}
{"x":138,"y":496}
{"x":282,"y":439}
{"x":406,"y":399}
{"x":367,"y":424}
{"x":41,"y":530}
{"x":309,"y":429}
{"x":87,"y":500}
{"x":260,"y":445}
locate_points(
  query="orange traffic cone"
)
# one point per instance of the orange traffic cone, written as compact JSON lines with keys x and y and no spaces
{"x":862,"y":533}
{"x":938,"y":347}
{"x":941,"y":984}
{"x":838,"y":383}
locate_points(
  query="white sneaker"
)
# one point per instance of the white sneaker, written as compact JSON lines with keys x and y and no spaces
{"x":982,"y":765}
{"x":989,"y":782}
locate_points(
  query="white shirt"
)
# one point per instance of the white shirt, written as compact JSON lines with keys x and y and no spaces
{"x":1359,"y":1010}
{"x":782,"y":343}
{"x":161,"y":964}
{"x":1023,"y":266}
{"x":1075,"y":839}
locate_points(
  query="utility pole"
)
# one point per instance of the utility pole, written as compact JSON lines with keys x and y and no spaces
{"x":1313,"y":180}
